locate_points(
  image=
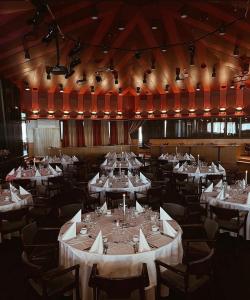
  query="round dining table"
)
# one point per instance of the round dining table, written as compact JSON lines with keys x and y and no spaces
{"x":120,"y":258}
{"x":235,"y":198}
{"x":176,"y":158}
{"x":121,"y":183}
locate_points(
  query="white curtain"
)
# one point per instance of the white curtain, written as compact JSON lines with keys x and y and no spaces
{"x":88,"y":132}
{"x":120,"y":132}
{"x":105,"y":132}
{"x":45,"y":138}
{"x":72,"y":133}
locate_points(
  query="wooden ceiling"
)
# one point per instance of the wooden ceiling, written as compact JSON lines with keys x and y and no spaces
{"x":74,"y":19}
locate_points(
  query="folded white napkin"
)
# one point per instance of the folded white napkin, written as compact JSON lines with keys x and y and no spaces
{"x":186,"y":156}
{"x":197,"y":170}
{"x":143,"y":244}
{"x":164,"y":215}
{"x":138,"y":207}
{"x":74,"y":158}
{"x":180,"y":169}
{"x":19,"y":169}
{"x":221,"y":195}
{"x":14,"y":197}
{"x":77,"y":217}
{"x":37,"y":174}
{"x":19,"y":174}
{"x":104,"y":208}
{"x":162,"y":155}
{"x":22,"y":191}
{"x":243,"y":183}
{"x":52,"y":170}
{"x":58,"y":169}
{"x":168,"y":229}
{"x":70,"y":233}
{"x":191,"y":157}
{"x":248,"y":199}
{"x":210,"y":188}
{"x":215,"y":169}
{"x":219,"y":184}
{"x":221,"y":168}
{"x":12,"y":188}
{"x":44,"y":159}
{"x":177,"y":166}
{"x":97,"y":246}
{"x":12,"y":172}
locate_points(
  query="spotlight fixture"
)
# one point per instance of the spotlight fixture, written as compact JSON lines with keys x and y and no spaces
{"x":52,"y":32}
{"x":26,"y":86}
{"x":177,"y":72}
{"x":69,"y":74}
{"x":120,"y":90}
{"x":60,"y":87}
{"x":154,"y":25}
{"x":94,"y":13}
{"x":198,"y":86}
{"x":105,"y":50}
{"x":137,"y":55}
{"x":222,"y":30}
{"x":232,"y":86}
{"x":236,"y":50}
{"x":167,"y":88}
{"x":98,"y":77}
{"x":183,"y":12}
{"x":92,"y":89}
{"x":138,"y":89}
{"x":214,"y":71}
{"x":26,"y":54}
{"x":77,"y":48}
{"x":163,"y":49}
{"x":121,"y":27}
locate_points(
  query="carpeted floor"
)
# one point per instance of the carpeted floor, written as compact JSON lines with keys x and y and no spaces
{"x":232,"y":270}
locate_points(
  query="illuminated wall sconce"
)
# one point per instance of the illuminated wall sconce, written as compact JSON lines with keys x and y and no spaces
{"x":51,"y":112}
{"x":163,"y":111}
{"x":222,"y":109}
{"x":150,"y":112}
{"x":207,"y":109}
{"x":80,"y":112}
{"x":239,"y":108}
{"x":177,"y":110}
{"x":107,"y":112}
{"x":66,"y":112}
{"x":192,"y":110}
{"x":137,"y":112}
{"x":119,"y":113}
{"x":93,"y":112}
{"x":35,"y":112}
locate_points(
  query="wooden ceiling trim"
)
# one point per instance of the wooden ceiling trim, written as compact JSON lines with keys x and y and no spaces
{"x":11,"y":7}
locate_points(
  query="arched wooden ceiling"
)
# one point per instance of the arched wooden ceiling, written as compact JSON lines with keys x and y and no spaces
{"x":74,"y":18}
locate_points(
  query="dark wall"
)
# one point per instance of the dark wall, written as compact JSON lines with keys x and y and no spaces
{"x":10,"y":118}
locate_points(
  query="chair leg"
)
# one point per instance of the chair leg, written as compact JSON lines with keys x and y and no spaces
{"x":158,"y":292}
{"x":77,"y":293}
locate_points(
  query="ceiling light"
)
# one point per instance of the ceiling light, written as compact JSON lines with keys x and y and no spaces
{"x":51,"y":112}
{"x":105,"y":50}
{"x":138,"y":89}
{"x":121,"y":27}
{"x":60,"y":85}
{"x":214,"y":71}
{"x":80,"y":112}
{"x":183,"y":12}
{"x":167,"y":88}
{"x":107,"y":112}
{"x":222,"y":30}
{"x":236,"y":50}
{"x":154,"y":25}
{"x":163,"y":49}
{"x":94,"y":14}
{"x":232,"y":86}
{"x":239,"y":108}
{"x":119,"y":113}
{"x":163,"y":111}
{"x":192,"y":109}
{"x":66,"y":112}
{"x":198,"y":86}
{"x":177,"y":72}
{"x":222,"y":108}
{"x":137,"y":112}
{"x":177,"y":110}
{"x":35,"y":112}
{"x":26,"y":54}
{"x":92,"y":89}
{"x":206,"y":109}
{"x":26,"y":86}
{"x":93,"y":112}
{"x":150,"y":112}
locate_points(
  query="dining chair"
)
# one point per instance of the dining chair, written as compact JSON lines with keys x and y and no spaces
{"x":27,"y":184}
{"x":115,"y":198}
{"x":50,"y":283}
{"x":118,"y":287}
{"x":232,"y":220}
{"x":40,"y":244}
{"x":185,"y":278}
{"x":197,"y":208}
{"x":213,"y":178}
{"x":199,"y":239}
{"x":13,"y":220}
{"x":177,"y":211}
{"x":67,"y":212}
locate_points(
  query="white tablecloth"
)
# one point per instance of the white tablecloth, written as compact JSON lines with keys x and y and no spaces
{"x":118,"y":265}
{"x":129,"y":185}
{"x":173,"y":158}
{"x":235,"y":200}
{"x":204,"y":171}
{"x":127,"y":163}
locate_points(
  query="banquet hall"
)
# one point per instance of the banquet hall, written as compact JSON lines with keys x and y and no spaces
{"x":124,"y":149}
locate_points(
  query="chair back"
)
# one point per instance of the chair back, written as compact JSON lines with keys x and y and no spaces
{"x":178,"y":177}
{"x":119,"y":288}
{"x":68,"y":211}
{"x":224,"y":213}
{"x":28,"y":233}
{"x":14,"y":215}
{"x":176,"y":211}
{"x":202,"y":266}
{"x":211,"y":227}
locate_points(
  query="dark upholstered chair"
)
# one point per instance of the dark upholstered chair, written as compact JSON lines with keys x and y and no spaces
{"x":184,"y":278}
{"x":118,"y":288}
{"x":52,"y":283}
